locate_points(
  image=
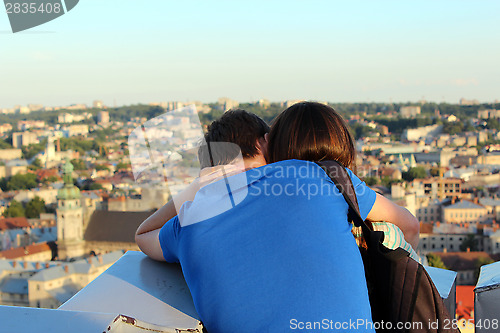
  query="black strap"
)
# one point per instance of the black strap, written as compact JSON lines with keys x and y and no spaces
{"x":345,"y":187}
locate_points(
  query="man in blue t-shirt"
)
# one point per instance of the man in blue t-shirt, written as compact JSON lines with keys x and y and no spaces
{"x":269,"y":249}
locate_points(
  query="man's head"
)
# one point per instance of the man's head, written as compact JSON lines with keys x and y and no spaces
{"x":243,"y":129}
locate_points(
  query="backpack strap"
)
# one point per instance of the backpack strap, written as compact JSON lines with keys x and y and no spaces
{"x":342,"y":181}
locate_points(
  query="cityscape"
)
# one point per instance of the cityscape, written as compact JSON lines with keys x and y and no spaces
{"x":70,"y":202}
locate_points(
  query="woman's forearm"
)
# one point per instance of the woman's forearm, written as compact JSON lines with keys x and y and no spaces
{"x":386,"y":210}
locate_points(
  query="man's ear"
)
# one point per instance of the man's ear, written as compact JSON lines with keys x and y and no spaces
{"x":262,"y":144}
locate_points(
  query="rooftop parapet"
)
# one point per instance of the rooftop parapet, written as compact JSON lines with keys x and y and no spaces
{"x":138,"y":294}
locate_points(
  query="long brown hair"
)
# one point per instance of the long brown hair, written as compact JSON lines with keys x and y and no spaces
{"x":313,"y":132}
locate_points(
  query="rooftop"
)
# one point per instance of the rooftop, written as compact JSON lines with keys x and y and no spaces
{"x":464,"y":204}
{"x":83,"y":266}
{"x":13,"y":223}
{"x":26,"y":250}
{"x":112,"y":226}
{"x":14,"y":286}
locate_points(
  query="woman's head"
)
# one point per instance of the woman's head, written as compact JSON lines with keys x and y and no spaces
{"x":313,"y":132}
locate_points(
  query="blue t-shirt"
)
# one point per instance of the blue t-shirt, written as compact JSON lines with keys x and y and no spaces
{"x":271,"y":250}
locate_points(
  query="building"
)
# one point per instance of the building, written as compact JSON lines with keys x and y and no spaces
{"x":287,"y":104}
{"x":150,"y":198}
{"x":227,"y":103}
{"x":111,"y":231}
{"x":409,"y":111}
{"x":438,"y":188}
{"x":20,"y":139}
{"x":103,"y":118}
{"x":488,"y":114}
{"x":10,"y":154}
{"x":492,"y":158}
{"x":415,"y":134}
{"x":5,"y":128}
{"x":51,"y":287}
{"x":82,"y":228}
{"x":466,"y":264}
{"x":263,"y":103}
{"x":97,"y":104}
{"x":430,"y":211}
{"x":450,"y":242}
{"x":34,"y":252}
{"x":72,"y":118}
{"x":69,"y":217}
{"x":14,"y":167}
{"x":465,"y":211}
{"x":14,"y":277}
{"x":74,"y":130}
{"x":24,"y":125}
{"x":464,"y":101}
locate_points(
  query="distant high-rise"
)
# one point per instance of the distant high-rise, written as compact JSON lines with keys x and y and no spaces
{"x":464,"y":101}
{"x":97,"y":104}
{"x":488,"y":114}
{"x":409,"y":111}
{"x":103,"y":118}
{"x":227,"y":103}
{"x":23,"y":139}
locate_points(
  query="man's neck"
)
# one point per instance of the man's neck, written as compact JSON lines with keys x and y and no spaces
{"x":254,"y":162}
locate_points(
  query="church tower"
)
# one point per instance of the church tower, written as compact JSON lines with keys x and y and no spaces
{"x":70,"y":242}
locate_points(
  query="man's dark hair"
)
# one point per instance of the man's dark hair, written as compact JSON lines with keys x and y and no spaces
{"x":239,"y":127}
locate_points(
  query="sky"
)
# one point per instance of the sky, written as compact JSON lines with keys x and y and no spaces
{"x":131,"y":51}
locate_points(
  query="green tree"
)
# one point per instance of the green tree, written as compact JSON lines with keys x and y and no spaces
{"x":122,"y":165}
{"x":414,"y":173}
{"x":100,"y":167}
{"x":21,"y":182}
{"x":469,"y":242}
{"x":453,"y":127}
{"x":493,"y":124}
{"x":15,"y":209}
{"x":33,"y":149}
{"x":4,"y":144}
{"x":435,"y":261}
{"x":95,"y":186}
{"x":50,"y":179}
{"x":34,"y":207}
{"x":78,"y":164}
{"x":36,"y":165}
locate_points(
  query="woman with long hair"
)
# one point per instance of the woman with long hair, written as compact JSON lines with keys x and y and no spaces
{"x":315,"y":132}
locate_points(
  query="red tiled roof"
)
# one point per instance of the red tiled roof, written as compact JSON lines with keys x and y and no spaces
{"x":465,"y":296}
{"x":24,"y":251}
{"x":465,"y":302}
{"x":13,"y":223}
{"x":45,"y":173}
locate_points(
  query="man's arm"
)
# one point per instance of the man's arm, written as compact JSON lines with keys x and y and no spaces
{"x":146,"y":235}
{"x":149,"y":243}
{"x":385,"y":210}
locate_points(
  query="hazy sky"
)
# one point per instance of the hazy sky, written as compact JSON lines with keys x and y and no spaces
{"x":339,"y":51}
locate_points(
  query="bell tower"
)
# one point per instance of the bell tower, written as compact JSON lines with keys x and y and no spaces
{"x":69,"y":217}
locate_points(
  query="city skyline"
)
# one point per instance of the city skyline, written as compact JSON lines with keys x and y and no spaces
{"x":337,"y":52}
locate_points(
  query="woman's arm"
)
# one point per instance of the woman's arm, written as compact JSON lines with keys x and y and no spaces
{"x":385,"y":210}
